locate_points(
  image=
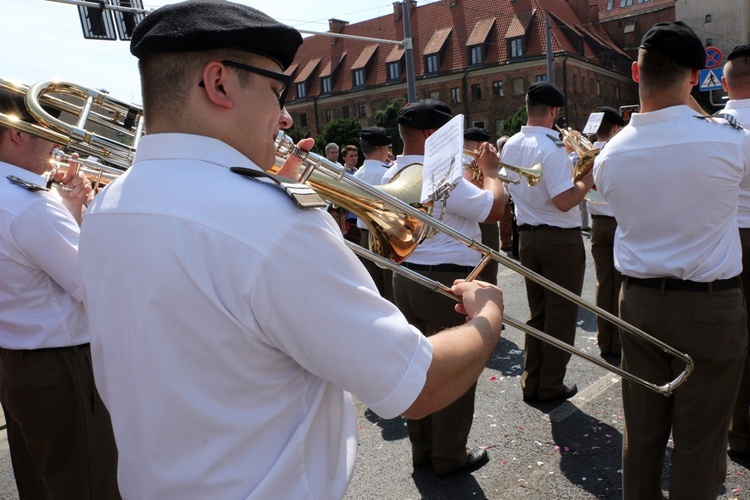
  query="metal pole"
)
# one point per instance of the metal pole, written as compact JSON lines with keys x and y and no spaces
{"x":550,"y":61}
{"x":411,"y":85}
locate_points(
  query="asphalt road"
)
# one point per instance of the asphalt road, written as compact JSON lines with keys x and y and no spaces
{"x":566,"y":451}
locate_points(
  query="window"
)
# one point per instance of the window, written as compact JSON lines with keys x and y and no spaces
{"x":516,"y":48}
{"x":432,"y":64}
{"x":476,"y":55}
{"x":361,"y":110}
{"x":394,"y":71}
{"x":301,"y":90}
{"x":625,"y":3}
{"x":629,"y":26}
{"x":325,"y":85}
{"x":617,"y":92}
{"x":598,"y":88}
{"x":345,"y":111}
{"x":709,"y":42}
{"x":476,"y":92}
{"x":518,"y":86}
{"x":541,"y":78}
{"x":329,"y":115}
{"x":497,"y":89}
{"x":610,"y":4}
{"x":435,"y":95}
{"x":303,"y":120}
{"x":359,"y":77}
{"x":477,"y":124}
{"x":708,"y":18}
{"x":583,"y":85}
{"x":455,"y":95}
{"x":499,"y":124}
{"x":591,"y":84}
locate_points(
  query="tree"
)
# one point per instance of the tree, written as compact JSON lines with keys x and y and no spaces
{"x":514,"y":123}
{"x":386,"y":118}
{"x":342,"y":131}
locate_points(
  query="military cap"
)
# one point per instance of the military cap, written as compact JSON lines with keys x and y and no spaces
{"x":739,"y":51}
{"x":611,"y":115}
{"x":546,"y":93}
{"x":476,"y":134}
{"x":377,"y":136}
{"x":425,"y":114}
{"x":199,"y":25}
{"x":14,"y":104}
{"x":676,"y":41}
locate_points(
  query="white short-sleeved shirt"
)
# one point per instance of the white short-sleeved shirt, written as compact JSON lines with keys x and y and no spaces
{"x":466,"y":206}
{"x":599,"y":208}
{"x":534,"y":205}
{"x":40,"y":287}
{"x":230,"y":328}
{"x":673,"y":180}
{"x":740,"y":108}
{"x":371,"y":172}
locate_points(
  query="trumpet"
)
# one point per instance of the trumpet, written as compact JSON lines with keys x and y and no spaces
{"x":381,"y":209}
{"x":533,"y":174}
{"x":586,"y":153}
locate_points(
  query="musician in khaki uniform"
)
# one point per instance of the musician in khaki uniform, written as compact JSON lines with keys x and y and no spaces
{"x":672,"y":178}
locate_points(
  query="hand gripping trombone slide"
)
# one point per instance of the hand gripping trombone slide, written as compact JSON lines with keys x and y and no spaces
{"x":382,"y":211}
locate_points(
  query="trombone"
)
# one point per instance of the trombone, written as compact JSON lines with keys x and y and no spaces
{"x":125,"y":120}
{"x":383,"y":212}
{"x":533,"y":174}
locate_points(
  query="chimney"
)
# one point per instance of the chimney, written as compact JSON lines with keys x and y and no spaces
{"x":581,"y":8}
{"x":336,"y":25}
{"x":398,"y":11}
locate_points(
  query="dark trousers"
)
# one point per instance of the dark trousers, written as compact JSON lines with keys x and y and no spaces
{"x":506,"y":227}
{"x":383,"y":278}
{"x":490,"y":238}
{"x":711,"y":328}
{"x":608,"y":280}
{"x":739,"y":428}
{"x":59,"y":431}
{"x":442,"y":436}
{"x":558,"y":255}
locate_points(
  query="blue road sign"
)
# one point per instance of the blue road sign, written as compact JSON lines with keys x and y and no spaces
{"x":710,"y":79}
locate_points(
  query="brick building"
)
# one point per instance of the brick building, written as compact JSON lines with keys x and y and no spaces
{"x":479,"y":56}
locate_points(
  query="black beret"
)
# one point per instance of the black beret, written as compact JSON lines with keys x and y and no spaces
{"x":739,"y":51}
{"x":199,"y":25}
{"x":425,"y":114}
{"x":676,"y":41}
{"x":611,"y":115}
{"x":476,"y":134}
{"x":11,"y":103}
{"x":546,"y":93}
{"x":377,"y":136}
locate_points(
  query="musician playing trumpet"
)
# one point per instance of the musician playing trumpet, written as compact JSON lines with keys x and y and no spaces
{"x":59,"y":430}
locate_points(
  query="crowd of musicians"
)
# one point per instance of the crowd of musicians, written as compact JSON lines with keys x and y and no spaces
{"x":209,"y":311}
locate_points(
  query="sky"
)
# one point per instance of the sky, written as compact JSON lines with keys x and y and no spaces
{"x":43,"y":40}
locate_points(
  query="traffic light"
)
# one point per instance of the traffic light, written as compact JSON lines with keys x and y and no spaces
{"x":103,"y":23}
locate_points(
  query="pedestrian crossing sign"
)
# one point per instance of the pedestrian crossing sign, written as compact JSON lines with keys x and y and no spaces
{"x":710,"y":79}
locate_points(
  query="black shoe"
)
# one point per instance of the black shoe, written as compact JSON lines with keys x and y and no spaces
{"x":475,"y":459}
{"x":739,"y":455}
{"x":420,"y":464}
{"x":530,"y":398}
{"x":567,"y":393}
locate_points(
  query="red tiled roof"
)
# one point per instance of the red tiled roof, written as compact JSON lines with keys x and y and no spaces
{"x":332,"y":65}
{"x":432,"y":23}
{"x":481,"y":32}
{"x":515,"y":29}
{"x":291,"y":69}
{"x":307,"y":72}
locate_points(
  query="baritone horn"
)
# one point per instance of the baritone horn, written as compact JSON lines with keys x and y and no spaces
{"x":382,"y":210}
{"x":532,"y":174}
{"x":87,"y":109}
{"x":586,"y":152}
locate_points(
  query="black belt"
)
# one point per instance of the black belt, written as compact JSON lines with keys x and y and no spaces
{"x":444,"y":268}
{"x":543,"y":227}
{"x":684,"y":285}
{"x":47,"y":349}
{"x":601,"y":216}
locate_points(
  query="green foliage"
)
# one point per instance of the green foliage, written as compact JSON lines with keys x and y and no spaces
{"x":342,"y":131}
{"x":386,"y":118}
{"x":513,"y":124}
{"x":296,"y":133}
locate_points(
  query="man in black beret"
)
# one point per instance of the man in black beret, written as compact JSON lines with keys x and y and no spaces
{"x":550,"y":241}
{"x":231,"y":335}
{"x":375,"y":143}
{"x":59,"y":431}
{"x":441,"y":439}
{"x":679,"y":251}
{"x":736,"y":82}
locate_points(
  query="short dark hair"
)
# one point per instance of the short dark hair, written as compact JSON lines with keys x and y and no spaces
{"x":659,"y":72}
{"x":349,"y":147}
